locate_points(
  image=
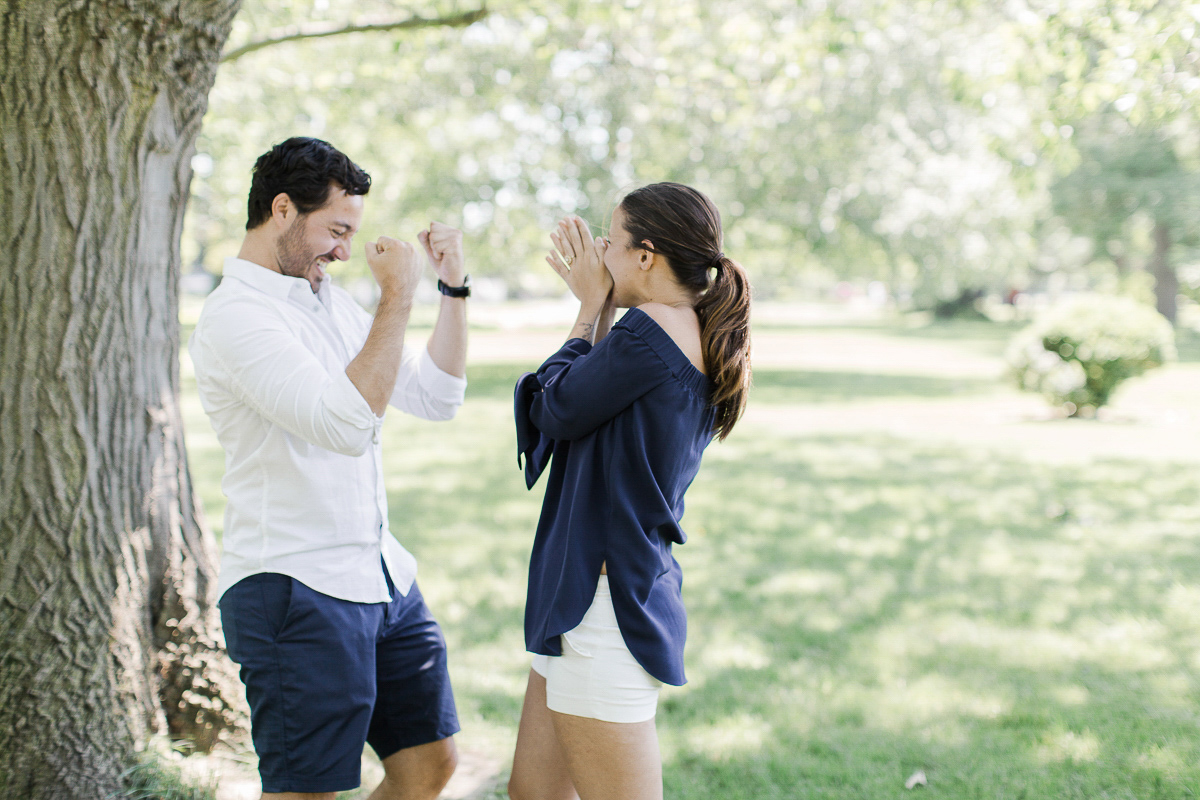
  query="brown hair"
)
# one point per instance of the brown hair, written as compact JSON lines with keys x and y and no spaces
{"x":684,"y":226}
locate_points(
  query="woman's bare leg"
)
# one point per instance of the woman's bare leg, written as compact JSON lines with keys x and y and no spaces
{"x":610,"y":760}
{"x":539,"y":766}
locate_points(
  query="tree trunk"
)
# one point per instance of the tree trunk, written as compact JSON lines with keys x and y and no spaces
{"x":107,"y":624}
{"x":1166,"y":282}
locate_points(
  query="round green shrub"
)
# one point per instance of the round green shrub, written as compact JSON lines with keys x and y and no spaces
{"x":1081,"y":350}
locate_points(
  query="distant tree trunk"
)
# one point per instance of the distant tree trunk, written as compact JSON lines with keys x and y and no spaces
{"x":107,"y":624}
{"x":1166,"y":282}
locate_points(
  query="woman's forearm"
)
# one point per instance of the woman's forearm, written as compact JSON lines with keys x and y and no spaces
{"x":604,"y":322}
{"x":586,"y":322}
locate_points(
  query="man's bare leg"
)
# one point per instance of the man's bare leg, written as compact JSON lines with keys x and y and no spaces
{"x":418,"y":773}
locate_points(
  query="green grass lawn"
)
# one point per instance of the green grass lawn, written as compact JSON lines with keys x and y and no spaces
{"x":863,"y":602}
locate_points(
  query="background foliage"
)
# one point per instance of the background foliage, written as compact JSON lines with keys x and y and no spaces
{"x":915,"y":143}
{"x":1080,"y":352}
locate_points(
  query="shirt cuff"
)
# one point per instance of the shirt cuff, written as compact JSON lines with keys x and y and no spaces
{"x":345,"y":401}
{"x":441,"y":386}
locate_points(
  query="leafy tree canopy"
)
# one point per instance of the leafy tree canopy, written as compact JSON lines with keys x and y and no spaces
{"x":914,"y":142}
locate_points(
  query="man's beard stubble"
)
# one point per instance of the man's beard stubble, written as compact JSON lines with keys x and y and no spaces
{"x":294,"y":258}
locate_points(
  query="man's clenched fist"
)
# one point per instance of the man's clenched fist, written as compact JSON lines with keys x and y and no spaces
{"x":444,"y":247}
{"x":395,"y":266}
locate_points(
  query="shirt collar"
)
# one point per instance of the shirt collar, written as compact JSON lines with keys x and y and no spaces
{"x":270,"y":282}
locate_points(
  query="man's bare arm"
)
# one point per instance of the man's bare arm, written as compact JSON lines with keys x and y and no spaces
{"x":447,"y":344}
{"x":373,"y":371}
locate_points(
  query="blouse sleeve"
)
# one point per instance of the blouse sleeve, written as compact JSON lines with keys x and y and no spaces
{"x":580,"y":388}
{"x":531,"y":443}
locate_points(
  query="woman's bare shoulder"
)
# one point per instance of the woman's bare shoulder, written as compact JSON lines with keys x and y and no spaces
{"x":670,"y":318}
{"x":682,"y":325}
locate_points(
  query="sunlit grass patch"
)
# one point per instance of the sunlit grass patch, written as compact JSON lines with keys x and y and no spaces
{"x":795,"y":386}
{"x":936,"y":595}
{"x":1069,"y":746}
{"x":728,"y":737}
{"x":861,"y":605}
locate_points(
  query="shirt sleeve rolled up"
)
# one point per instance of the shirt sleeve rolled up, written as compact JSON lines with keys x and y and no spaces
{"x":262,"y":362}
{"x":424,"y":390}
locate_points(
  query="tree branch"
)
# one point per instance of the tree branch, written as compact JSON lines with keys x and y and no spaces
{"x":297,"y":33}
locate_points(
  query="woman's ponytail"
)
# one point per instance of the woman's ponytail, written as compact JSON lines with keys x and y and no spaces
{"x":684,"y":226}
{"x":724,"y":312}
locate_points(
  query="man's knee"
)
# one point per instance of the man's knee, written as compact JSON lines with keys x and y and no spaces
{"x":428,"y":767}
{"x":446,"y":764}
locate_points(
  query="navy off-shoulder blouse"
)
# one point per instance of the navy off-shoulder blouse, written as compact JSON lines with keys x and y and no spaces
{"x":626,"y":423}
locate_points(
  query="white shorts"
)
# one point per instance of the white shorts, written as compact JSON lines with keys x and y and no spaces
{"x":597,"y":676}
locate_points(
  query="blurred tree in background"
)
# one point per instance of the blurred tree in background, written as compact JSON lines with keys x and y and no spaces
{"x":1124,"y":75}
{"x":842,"y":140}
{"x":915,"y":143}
{"x":1131,"y":193}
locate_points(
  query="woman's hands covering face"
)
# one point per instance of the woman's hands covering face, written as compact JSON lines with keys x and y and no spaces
{"x":578,"y":258}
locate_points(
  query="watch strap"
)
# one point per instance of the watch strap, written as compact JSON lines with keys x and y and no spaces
{"x":456,"y":291}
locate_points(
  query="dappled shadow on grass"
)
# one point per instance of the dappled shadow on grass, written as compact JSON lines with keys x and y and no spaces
{"x":905,"y":325}
{"x":1005,"y":626}
{"x":496,"y":381}
{"x":802,"y":386}
{"x":960,"y":329}
{"x":860,"y":607}
{"x":1040,"y":760}
{"x":458,"y":501}
{"x":981,"y":335}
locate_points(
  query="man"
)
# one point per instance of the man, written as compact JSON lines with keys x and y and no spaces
{"x":318,"y":600}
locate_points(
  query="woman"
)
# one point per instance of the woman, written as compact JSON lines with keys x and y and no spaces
{"x":626,"y":414}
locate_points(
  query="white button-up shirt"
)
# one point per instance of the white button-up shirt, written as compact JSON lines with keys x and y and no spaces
{"x":303,"y":465}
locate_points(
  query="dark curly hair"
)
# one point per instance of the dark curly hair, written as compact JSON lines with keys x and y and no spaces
{"x":304,"y":169}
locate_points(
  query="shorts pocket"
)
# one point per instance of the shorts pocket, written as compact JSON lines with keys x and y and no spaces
{"x":571,"y":639}
{"x":275,"y":595}
{"x":229,"y":629}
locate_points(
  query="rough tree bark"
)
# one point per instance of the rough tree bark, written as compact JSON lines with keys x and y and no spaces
{"x":107,"y":623}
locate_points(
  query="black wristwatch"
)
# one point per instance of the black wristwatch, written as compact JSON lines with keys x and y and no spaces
{"x":456,"y":291}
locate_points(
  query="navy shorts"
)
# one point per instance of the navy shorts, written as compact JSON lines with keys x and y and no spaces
{"x":324,"y":675}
